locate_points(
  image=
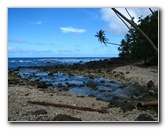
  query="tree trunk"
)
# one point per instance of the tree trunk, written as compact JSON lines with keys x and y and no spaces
{"x":123,"y":21}
{"x":112,"y":43}
{"x":66,"y":106}
{"x":145,"y":104}
{"x":137,"y":28}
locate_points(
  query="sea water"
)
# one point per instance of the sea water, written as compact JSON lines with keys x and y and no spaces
{"x":50,"y":61}
{"x":105,"y":89}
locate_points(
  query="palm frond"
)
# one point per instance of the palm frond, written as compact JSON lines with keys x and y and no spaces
{"x":102,"y":39}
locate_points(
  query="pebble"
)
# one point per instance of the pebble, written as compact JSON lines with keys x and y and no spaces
{"x":62,"y":117}
{"x":144,"y":117}
{"x":39,"y":112}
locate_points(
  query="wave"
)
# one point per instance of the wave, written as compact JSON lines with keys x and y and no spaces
{"x":21,"y":61}
{"x":13,"y":61}
{"x":16,"y":62}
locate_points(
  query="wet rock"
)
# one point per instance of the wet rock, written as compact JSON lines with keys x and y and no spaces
{"x":74,"y":67}
{"x":27,"y":94}
{"x":150,"y":85}
{"x":91,"y":77}
{"x":32,"y":83}
{"x":114,"y":103}
{"x":100,"y":99}
{"x":22,"y":82}
{"x":50,"y":74}
{"x":152,"y":92}
{"x":42,"y":85}
{"x":121,"y":73}
{"x":124,"y":96}
{"x":136,"y":84}
{"x":127,"y":107}
{"x":110,"y":90}
{"x":122,"y":86}
{"x":65,"y":89}
{"x":112,"y":81}
{"x":127,"y":72}
{"x":59,"y":86}
{"x":108,"y":71}
{"x":70,"y":85}
{"x":136,"y":97}
{"x":13,"y":78}
{"x":102,"y":90}
{"x":91,"y":95}
{"x":99,"y":71}
{"x":91,"y":84}
{"x":62,"y":117}
{"x":39,"y":112}
{"x":144,"y":117}
{"x":113,"y":72}
{"x":102,"y":81}
{"x":115,"y":98}
{"x":70,"y":74}
{"x":116,"y":75}
{"x":13,"y":81}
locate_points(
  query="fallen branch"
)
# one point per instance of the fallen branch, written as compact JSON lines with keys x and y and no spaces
{"x":146,"y":104}
{"x":66,"y":106}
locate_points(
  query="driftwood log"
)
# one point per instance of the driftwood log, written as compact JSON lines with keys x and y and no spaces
{"x":66,"y":106}
{"x":146,"y":104}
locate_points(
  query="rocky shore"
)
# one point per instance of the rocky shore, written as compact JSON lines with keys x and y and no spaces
{"x":21,"y":91}
{"x":127,"y":71}
{"x":20,"y":110}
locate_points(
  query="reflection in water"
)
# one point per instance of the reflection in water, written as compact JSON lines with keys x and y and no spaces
{"x":102,"y":88}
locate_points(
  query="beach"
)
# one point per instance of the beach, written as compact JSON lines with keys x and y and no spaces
{"x":21,"y":93}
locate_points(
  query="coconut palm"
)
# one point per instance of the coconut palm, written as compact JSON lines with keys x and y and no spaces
{"x":102,"y":38}
{"x":138,"y":29}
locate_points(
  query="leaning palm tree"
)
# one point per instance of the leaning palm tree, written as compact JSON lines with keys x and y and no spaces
{"x":137,"y":28}
{"x":103,"y":39}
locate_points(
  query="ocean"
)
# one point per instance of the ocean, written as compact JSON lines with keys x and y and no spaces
{"x":50,"y":61}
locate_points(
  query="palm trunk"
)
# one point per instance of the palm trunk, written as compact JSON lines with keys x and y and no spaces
{"x":112,"y":43}
{"x":138,"y":29}
{"x":129,"y":14}
{"x":153,"y":12}
{"x":123,"y":21}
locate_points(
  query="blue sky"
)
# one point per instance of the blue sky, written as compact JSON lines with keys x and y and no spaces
{"x":65,"y":32}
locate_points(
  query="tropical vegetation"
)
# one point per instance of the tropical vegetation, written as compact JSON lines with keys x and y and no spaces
{"x":134,"y":45}
{"x":141,"y":41}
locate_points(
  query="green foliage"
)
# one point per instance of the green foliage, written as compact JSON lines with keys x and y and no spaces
{"x":135,"y":45}
{"x":101,"y":37}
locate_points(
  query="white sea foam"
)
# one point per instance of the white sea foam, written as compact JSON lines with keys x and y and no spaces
{"x":16,"y":62}
{"x":13,"y":61}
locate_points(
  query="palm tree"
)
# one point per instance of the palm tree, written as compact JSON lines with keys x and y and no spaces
{"x":137,"y":28}
{"x":103,"y":39}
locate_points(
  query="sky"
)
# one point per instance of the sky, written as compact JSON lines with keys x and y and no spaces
{"x":66,"y":32}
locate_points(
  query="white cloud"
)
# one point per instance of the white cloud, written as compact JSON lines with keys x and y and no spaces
{"x":16,"y":41}
{"x":72,"y":30}
{"x":20,"y":52}
{"x":77,"y":49}
{"x":37,"y":23}
{"x":65,"y":51}
{"x":115,"y":25}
